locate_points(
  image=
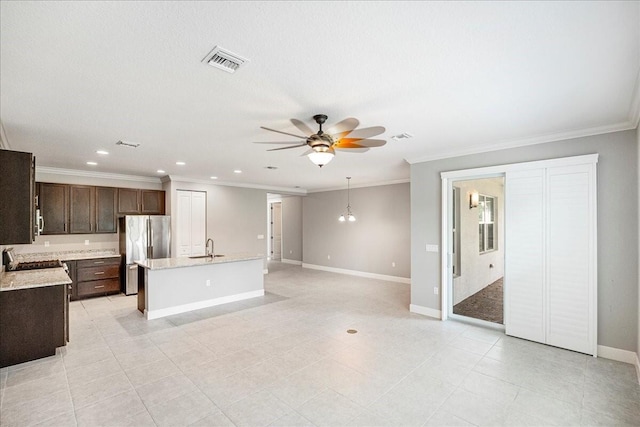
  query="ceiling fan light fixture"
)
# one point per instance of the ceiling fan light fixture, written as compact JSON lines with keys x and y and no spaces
{"x":321,"y":158}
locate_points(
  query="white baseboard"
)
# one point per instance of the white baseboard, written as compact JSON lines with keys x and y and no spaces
{"x":358,"y":273}
{"x":291,"y":261}
{"x":425,"y":311}
{"x":163,"y":312}
{"x":619,"y":355}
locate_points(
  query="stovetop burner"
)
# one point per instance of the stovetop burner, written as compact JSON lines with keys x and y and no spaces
{"x":37,"y":265}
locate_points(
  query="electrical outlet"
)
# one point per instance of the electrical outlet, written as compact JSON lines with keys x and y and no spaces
{"x":435,"y":290}
{"x":393,"y":264}
{"x":86,"y":242}
{"x":328,"y":256}
{"x":208,"y":282}
{"x":46,"y":243}
{"x":290,"y":252}
{"x":431,"y":248}
{"x":260,"y":236}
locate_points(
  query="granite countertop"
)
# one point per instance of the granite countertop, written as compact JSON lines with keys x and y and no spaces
{"x":165,"y":263}
{"x":68,"y":255}
{"x":16,"y":280}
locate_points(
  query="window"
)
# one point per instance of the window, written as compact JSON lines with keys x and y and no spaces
{"x":486,"y":223}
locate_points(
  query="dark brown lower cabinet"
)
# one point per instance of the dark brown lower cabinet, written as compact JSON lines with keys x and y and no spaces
{"x":97,"y":276}
{"x":33,"y":323}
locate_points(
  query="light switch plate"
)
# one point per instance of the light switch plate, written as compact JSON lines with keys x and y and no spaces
{"x":432,"y":248}
{"x":260,"y":236}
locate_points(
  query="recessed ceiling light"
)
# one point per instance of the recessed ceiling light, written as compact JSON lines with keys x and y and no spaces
{"x":180,"y":163}
{"x":92,"y":163}
{"x":160,"y":171}
{"x":103,"y":152}
{"x":237,"y":171}
{"x":214,"y":177}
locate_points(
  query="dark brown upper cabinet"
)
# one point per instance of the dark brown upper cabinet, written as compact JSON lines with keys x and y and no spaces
{"x":152,"y":202}
{"x":17,"y":195}
{"x":82,"y":212}
{"x":128,"y":201}
{"x":106,"y":218}
{"x":132,"y":202}
{"x":53,"y":201}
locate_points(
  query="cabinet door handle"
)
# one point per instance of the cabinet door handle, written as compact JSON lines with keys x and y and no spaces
{"x":98,"y":287}
{"x":98,"y":273}
{"x":98,"y":262}
{"x":90,"y":227}
{"x":64,"y":227}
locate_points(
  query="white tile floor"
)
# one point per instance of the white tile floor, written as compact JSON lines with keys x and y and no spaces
{"x":286,"y":360}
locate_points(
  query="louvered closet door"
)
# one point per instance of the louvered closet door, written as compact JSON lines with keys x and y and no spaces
{"x":570,"y":244}
{"x":524,"y":254}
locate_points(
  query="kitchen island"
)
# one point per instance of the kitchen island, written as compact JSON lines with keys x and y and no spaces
{"x":169,"y":286}
{"x":34,"y":314}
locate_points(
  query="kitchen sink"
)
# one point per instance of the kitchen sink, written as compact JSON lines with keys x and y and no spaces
{"x":206,"y":256}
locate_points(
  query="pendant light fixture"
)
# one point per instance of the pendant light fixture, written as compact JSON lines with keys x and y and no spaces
{"x":349,"y":216}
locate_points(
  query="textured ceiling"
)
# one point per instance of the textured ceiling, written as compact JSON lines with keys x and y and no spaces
{"x":461,"y":77}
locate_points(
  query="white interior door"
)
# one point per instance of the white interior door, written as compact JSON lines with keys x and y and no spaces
{"x":198,"y":222}
{"x":183,"y":221}
{"x":276,"y":231}
{"x":570,"y":245}
{"x":524,"y":254}
{"x":192,"y":223}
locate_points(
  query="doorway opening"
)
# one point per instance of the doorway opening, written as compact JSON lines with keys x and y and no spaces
{"x":477,"y":250}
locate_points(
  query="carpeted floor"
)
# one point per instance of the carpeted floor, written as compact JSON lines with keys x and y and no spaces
{"x":485,"y":304}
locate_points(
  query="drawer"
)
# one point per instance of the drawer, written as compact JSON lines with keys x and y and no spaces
{"x":94,"y":262}
{"x":97,"y":273}
{"x":98,"y":287}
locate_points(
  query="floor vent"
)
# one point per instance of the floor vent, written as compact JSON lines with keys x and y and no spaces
{"x":224,"y":60}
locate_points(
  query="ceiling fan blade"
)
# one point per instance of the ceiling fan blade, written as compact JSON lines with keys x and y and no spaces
{"x":342,"y":144}
{"x":343,"y":126}
{"x":361,"y":133}
{"x":302,"y":127}
{"x":291,"y":146}
{"x":284,"y":133}
{"x":363,"y":142}
{"x":353,"y":149}
{"x":274,"y":142}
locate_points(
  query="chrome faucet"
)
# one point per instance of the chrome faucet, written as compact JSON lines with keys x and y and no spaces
{"x":207,"y":245}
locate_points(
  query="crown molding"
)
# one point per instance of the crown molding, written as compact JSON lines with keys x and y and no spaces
{"x":352,"y":186}
{"x":561,"y":136}
{"x":92,"y":174}
{"x":289,"y":190}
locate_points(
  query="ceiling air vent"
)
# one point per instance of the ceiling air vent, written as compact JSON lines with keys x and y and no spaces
{"x":225,"y":60}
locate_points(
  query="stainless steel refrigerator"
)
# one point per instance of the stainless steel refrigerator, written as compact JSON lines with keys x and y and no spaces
{"x":142,"y":237}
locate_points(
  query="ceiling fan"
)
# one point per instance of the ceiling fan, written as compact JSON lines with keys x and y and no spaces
{"x":322,"y":145}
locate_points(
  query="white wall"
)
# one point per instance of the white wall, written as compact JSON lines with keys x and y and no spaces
{"x":475,"y":270}
{"x":379,"y":237}
{"x":292,"y":228}
{"x":638,"y":343}
{"x":235,"y":216}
